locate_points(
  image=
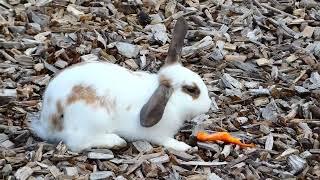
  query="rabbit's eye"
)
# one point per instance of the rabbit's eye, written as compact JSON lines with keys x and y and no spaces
{"x":191,"y":90}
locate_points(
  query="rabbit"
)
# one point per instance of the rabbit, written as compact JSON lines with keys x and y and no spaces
{"x":101,"y":104}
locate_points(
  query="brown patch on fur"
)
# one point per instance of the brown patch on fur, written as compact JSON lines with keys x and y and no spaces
{"x":165,"y":81}
{"x":192,"y":90}
{"x":89,"y":96}
{"x":56,"y":119}
{"x":80,"y":92}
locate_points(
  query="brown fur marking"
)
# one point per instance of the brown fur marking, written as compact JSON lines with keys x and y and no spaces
{"x":89,"y":96}
{"x":192,"y":90}
{"x":80,"y":92}
{"x":56,"y":118}
{"x":165,"y":81}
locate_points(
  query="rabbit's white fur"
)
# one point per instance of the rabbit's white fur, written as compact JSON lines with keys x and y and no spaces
{"x":85,"y":126}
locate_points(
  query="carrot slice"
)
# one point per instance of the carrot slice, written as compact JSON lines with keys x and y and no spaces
{"x":221,"y":136}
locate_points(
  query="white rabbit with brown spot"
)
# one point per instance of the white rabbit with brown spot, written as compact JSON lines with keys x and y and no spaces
{"x":99,"y":104}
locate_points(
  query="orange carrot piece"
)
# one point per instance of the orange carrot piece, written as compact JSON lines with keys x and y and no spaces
{"x":221,"y":136}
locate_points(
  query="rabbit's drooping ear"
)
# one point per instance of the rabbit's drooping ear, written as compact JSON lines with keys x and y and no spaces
{"x":152,"y":111}
{"x":175,"y":48}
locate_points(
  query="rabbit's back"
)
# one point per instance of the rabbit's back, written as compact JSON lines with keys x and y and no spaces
{"x":104,"y":79}
{"x":93,"y":96}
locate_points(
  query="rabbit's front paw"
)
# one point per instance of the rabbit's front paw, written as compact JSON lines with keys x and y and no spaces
{"x":117,"y":142}
{"x":176,"y":145}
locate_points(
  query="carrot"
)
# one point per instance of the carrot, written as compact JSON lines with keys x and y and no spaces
{"x":221,"y":136}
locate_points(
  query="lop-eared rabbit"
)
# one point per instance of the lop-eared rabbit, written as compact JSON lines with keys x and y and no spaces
{"x":100,"y":104}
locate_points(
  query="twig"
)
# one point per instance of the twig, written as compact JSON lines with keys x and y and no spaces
{"x":308,"y":121}
{"x":303,"y":72}
{"x":257,"y":3}
{"x":157,"y":50}
{"x":177,"y":15}
{"x":7,"y":56}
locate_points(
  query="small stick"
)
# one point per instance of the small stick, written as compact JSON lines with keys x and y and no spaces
{"x":303,"y":72}
{"x":310,"y":121}
{"x":273,"y":9}
{"x":157,"y":50}
{"x":7,"y":56}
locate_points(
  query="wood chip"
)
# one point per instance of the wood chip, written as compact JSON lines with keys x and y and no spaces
{"x":240,"y":58}
{"x":269,"y":142}
{"x":55,"y":171}
{"x":39,"y":67}
{"x":89,"y":58}
{"x":209,"y":146}
{"x":7,"y":95}
{"x":97,"y":155}
{"x":213,"y":176}
{"x":7,"y":144}
{"x":132,"y":64}
{"x":101,"y":175}
{"x":226,"y":150}
{"x":287,"y":152}
{"x":3,"y":137}
{"x":261,"y":101}
{"x":202,"y":163}
{"x":291,"y":58}
{"x":182,"y":155}
{"x":297,"y":163}
{"x":23,"y":173}
{"x":38,"y":155}
{"x":61,"y":64}
{"x":150,"y":170}
{"x":74,"y":11}
{"x":161,"y":159}
{"x":263,"y":62}
{"x":70,"y":171}
{"x":231,"y":82}
{"x":127,"y":50}
{"x":6,"y":170}
{"x":308,"y":31}
{"x":229,"y":46}
{"x":143,"y":146}
{"x":315,"y":151}
{"x":203,"y":44}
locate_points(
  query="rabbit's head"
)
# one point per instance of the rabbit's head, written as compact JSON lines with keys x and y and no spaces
{"x":179,"y":87}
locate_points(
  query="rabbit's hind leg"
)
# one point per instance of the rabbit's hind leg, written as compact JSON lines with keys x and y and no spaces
{"x":98,"y":140}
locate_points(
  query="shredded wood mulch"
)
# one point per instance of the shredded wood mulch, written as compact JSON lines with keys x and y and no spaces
{"x":259,"y":58}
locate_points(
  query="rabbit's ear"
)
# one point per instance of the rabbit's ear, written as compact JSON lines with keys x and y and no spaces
{"x":152,"y":111}
{"x":175,"y":48}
